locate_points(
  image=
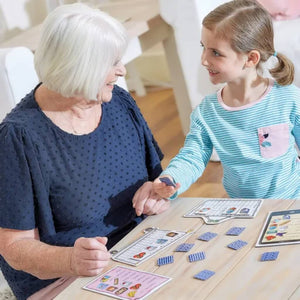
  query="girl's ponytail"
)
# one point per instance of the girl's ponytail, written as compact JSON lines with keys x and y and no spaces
{"x":284,"y":71}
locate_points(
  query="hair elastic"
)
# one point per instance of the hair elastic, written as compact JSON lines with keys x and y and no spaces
{"x":275,"y":53}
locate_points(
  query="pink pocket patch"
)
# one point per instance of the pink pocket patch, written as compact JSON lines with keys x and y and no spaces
{"x":273,"y":140}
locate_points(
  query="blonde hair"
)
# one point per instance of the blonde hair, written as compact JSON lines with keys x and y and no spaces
{"x":78,"y":47}
{"x":248,"y":26}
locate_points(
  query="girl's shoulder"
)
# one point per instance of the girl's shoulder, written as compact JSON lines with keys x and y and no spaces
{"x":291,"y":88}
{"x":208,"y":101}
{"x":289,"y":94}
{"x":207,"y":105}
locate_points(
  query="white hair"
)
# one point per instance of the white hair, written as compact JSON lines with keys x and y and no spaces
{"x":78,"y":47}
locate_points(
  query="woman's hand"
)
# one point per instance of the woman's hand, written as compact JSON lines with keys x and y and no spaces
{"x":146,"y":201}
{"x":23,"y":250}
{"x":89,"y":256}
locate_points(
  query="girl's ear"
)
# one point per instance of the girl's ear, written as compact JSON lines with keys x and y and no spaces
{"x":253,"y":58}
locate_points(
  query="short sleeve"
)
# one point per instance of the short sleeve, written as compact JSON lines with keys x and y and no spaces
{"x":153,"y":154}
{"x":16,"y":193}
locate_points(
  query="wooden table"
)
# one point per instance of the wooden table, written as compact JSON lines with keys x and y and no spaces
{"x":146,"y":28}
{"x":239,"y":274}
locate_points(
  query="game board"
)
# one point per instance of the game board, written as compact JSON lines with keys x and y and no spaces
{"x":280,"y":228}
{"x":217,"y":210}
{"x":148,"y":245}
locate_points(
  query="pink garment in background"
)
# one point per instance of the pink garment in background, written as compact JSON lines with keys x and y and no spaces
{"x":282,"y":9}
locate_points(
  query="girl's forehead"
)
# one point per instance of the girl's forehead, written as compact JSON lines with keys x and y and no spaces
{"x":210,"y":40}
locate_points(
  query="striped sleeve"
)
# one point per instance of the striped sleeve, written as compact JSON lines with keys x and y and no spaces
{"x":188,"y":165}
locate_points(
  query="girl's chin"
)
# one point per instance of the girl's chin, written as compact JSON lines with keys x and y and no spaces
{"x":214,"y":80}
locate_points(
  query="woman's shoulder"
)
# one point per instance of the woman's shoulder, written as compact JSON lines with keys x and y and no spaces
{"x":22,"y":116}
{"x":121,"y":93}
{"x":122,"y":100}
{"x":23,"y":111}
{"x":123,"y":96}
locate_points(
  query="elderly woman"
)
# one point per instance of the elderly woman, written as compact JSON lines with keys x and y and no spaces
{"x":73,"y":154}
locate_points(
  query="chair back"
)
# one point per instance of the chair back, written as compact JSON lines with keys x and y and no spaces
{"x":17,"y":77}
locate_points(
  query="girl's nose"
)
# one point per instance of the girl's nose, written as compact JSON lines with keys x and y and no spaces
{"x":204,"y":59}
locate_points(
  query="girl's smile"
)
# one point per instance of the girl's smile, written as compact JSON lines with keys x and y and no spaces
{"x":221,"y":61}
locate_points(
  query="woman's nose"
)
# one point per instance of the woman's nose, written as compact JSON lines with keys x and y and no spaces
{"x":120,"y":69}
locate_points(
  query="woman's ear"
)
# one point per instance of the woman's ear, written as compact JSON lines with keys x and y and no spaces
{"x":253,"y":59}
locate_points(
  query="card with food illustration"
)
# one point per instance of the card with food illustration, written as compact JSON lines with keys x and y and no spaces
{"x":126,"y":283}
{"x":148,"y":245}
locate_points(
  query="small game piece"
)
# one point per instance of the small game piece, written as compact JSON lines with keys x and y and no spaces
{"x":244,"y":211}
{"x":207,"y":236}
{"x":165,"y":260}
{"x":167,"y":181}
{"x":184,"y":247}
{"x":269,"y":256}
{"x":205,"y":274}
{"x":237,"y":244}
{"x":196,"y":256}
{"x":235,"y":231}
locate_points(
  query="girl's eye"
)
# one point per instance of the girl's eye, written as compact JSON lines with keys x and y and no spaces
{"x":216,"y":53}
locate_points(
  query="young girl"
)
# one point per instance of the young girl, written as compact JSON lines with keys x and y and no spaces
{"x":253,"y":122}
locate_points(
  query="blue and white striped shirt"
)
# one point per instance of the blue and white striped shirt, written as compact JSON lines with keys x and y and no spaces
{"x":255,"y":143}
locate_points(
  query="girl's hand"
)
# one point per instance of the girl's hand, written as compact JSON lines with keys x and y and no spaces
{"x":163,"y":189}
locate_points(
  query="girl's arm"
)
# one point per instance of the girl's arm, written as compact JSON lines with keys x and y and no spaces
{"x":188,"y":165}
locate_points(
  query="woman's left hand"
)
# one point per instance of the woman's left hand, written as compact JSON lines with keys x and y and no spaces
{"x":146,"y":201}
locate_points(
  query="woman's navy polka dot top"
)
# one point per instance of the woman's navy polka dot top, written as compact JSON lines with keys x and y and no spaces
{"x":69,"y":186}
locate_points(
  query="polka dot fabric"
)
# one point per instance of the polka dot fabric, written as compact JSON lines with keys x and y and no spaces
{"x":71,"y":186}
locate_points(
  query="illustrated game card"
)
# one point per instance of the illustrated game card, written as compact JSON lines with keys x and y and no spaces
{"x":148,"y":245}
{"x":126,"y":283}
{"x":280,"y":228}
{"x":215,"y":211}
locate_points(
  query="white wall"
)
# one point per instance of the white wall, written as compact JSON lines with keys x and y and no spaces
{"x":19,"y":15}
{"x":186,"y":17}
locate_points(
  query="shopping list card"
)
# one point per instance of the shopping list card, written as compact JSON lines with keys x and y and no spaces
{"x":126,"y":283}
{"x":214,"y":211}
{"x":148,"y":245}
